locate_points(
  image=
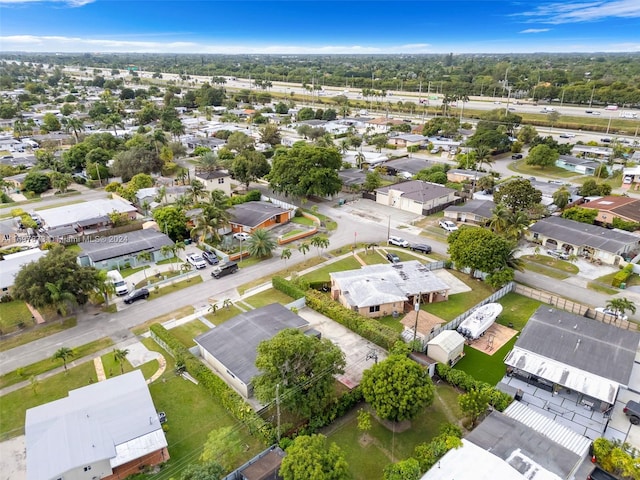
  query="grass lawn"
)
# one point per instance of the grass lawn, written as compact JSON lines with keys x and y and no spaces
{"x":167,"y":261}
{"x":191,"y":414}
{"x":161,"y":276}
{"x":367,"y":460}
{"x":554,"y":172}
{"x":303,"y":221}
{"x":15,"y":404}
{"x":14,"y":315}
{"x":551,"y":262}
{"x":223,"y":314}
{"x":112,"y":367}
{"x":603,"y":284}
{"x":125,"y":272}
{"x":267,"y":298}
{"x":73,"y":247}
{"x":293,"y":232}
{"x":487,"y":368}
{"x":307,"y":263}
{"x":249,"y":262}
{"x":24,"y":373}
{"x":516,"y":309}
{"x":373,"y":258}
{"x":188,"y":331}
{"x":181,"y":312}
{"x":322,"y":274}
{"x":459,"y":302}
{"x":329,"y":224}
{"x":393,"y":323}
{"x":175,"y":287}
{"x":37,"y":332}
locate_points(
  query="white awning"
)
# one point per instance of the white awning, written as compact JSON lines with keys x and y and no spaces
{"x":570,"y":377}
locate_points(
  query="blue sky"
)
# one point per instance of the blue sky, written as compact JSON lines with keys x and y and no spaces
{"x":329,"y":27}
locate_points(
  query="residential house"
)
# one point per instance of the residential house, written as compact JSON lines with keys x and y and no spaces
{"x":336,"y":128}
{"x":459,"y":175}
{"x":13,"y":263}
{"x":410,"y":165}
{"x":107,"y":430}
{"x":151,"y":196}
{"x":370,"y":158}
{"x":416,"y":196}
{"x":407,"y":140}
{"x":214,"y":180}
{"x":578,"y":165}
{"x":379,"y":290}
{"x":115,"y":252}
{"x":9,"y":234}
{"x":250,"y":216}
{"x":208,"y":142}
{"x":352,"y":179}
{"x":594,"y":152}
{"x":631,"y":176}
{"x":558,"y":349}
{"x":477,"y":212}
{"x":382,"y":124}
{"x":15,"y":181}
{"x":231,"y":348}
{"x":611,"y":207}
{"x":590,"y":241}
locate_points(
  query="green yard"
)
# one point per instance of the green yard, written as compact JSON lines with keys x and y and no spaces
{"x":14,"y":316}
{"x":373,"y":258}
{"x":487,"y":368}
{"x":267,"y":298}
{"x":522,"y":168}
{"x":303,"y":221}
{"x":322,"y":274}
{"x":174,"y":315}
{"x":112,"y":367}
{"x":188,"y":331}
{"x":39,"y":331}
{"x":516,"y":310}
{"x":460,"y":302}
{"x":223,"y":314}
{"x":368,"y":454}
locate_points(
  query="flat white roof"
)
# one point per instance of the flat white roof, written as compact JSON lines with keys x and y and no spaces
{"x":11,"y":265}
{"x":79,"y":212}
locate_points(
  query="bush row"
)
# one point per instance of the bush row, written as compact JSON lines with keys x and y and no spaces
{"x":287,"y":287}
{"x":229,"y":399}
{"x":368,"y":328}
{"x":336,"y":409}
{"x":499,"y":400}
{"x":252,"y":196}
{"x":622,"y":276}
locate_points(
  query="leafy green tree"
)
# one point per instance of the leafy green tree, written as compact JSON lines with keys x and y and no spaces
{"x":64,"y":354}
{"x":203,"y":471}
{"x":60,"y":269}
{"x":429,"y":453}
{"x":517,"y":194}
{"x":303,"y":366}
{"x":305,"y":170}
{"x":527,"y":133}
{"x":364,"y":420}
{"x":561,"y":197}
{"x":249,"y":166}
{"x":583,"y":215}
{"x":479,"y":249}
{"x":120,"y":355}
{"x":445,"y":126}
{"x":591,"y":188}
{"x":270,"y":134}
{"x":172,"y":221}
{"x":397,"y":388}
{"x":312,"y":457}
{"x":542,"y":156}
{"x":474,"y":403}
{"x":50,"y":123}
{"x":621,"y":305}
{"x":501,"y":277}
{"x":408,"y":469}
{"x":136,"y":160}
{"x":261,"y":243}
{"x":306,"y":114}
{"x":379,"y":141}
{"x":61,"y":181}
{"x":36,"y":182}
{"x":239,"y":142}
{"x":224,"y":446}
{"x":372,"y":181}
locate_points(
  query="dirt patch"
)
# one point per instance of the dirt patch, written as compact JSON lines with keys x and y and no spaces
{"x":493,"y":339}
{"x":365,"y":440}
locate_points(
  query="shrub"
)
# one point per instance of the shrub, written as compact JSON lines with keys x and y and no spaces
{"x":622,"y":276}
{"x":499,"y":400}
{"x":252,"y":196}
{"x":286,"y":287}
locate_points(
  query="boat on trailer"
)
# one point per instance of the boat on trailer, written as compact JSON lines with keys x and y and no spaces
{"x":474,"y":326}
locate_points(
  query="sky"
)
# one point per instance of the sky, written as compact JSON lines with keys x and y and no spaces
{"x":320,"y":27}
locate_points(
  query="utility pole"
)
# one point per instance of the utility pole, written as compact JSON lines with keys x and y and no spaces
{"x":416,"y":307}
{"x":278,"y":411}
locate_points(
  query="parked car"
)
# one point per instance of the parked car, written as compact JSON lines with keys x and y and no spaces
{"x":196,"y":260}
{"x":448,"y":225}
{"x":435,"y":150}
{"x":140,"y":294}
{"x":614,"y":313}
{"x":561,"y":254}
{"x":567,"y":135}
{"x":210,"y":257}
{"x":225,"y":269}
{"x":421,"y":247}
{"x":242,"y":236}
{"x":605,"y":140}
{"x":516,"y":156}
{"x":393,"y":258}
{"x":599,"y":474}
{"x":400,"y":242}
{"x":632,"y":410}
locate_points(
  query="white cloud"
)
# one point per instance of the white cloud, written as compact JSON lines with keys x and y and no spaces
{"x":577,"y":12}
{"x":70,"y":3}
{"x":535,"y":30}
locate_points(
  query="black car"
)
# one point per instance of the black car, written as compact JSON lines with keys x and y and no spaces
{"x":210,"y":257}
{"x":516,"y":156}
{"x":600,"y":474}
{"x":393,"y":258}
{"x":140,"y":294}
{"x":421,"y":247}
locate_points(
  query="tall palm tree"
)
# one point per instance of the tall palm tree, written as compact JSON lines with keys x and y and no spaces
{"x":144,"y":257}
{"x":59,"y":297}
{"x":500,"y":219}
{"x":208,"y":162}
{"x":112,"y":120}
{"x":105,"y":286}
{"x":518,"y":223}
{"x":621,"y":305}
{"x":285,"y":255}
{"x":196,"y":190}
{"x":483,"y":155}
{"x":63,"y":353}
{"x":320,"y":242}
{"x":120,"y":355}
{"x":261,"y":243}
{"x":158,"y":138}
{"x":304,"y":248}
{"x":167,"y":250}
{"x":512,"y":261}
{"x":360,"y":159}
{"x":74,"y":125}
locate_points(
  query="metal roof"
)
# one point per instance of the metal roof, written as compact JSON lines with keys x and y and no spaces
{"x":597,"y":348}
{"x":582,"y":234}
{"x":234,"y":343}
{"x":525,"y":449}
{"x":80,"y":212}
{"x":90,"y":424}
{"x":252,"y":214}
{"x":129,"y":243}
{"x":387,"y":283}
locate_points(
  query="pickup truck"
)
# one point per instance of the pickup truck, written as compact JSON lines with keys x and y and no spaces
{"x":632,"y":410}
{"x":600,"y":474}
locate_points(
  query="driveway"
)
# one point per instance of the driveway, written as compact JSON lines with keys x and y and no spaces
{"x":13,"y":459}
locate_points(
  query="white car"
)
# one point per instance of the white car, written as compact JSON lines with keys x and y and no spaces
{"x":614,"y":313}
{"x":400,"y":242}
{"x":242,"y":236}
{"x":196,"y":260}
{"x":448,"y":225}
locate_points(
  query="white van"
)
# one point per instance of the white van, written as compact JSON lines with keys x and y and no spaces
{"x":118,"y":282}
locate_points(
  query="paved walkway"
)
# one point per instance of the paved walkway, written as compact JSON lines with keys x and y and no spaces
{"x":97,"y":363}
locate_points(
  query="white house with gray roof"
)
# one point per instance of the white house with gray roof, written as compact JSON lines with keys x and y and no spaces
{"x":13,"y":263}
{"x":416,"y":196}
{"x":379,"y":290}
{"x":107,"y":430}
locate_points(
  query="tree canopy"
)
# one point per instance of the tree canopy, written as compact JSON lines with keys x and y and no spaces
{"x":249,"y":166}
{"x":517,"y":194}
{"x":542,"y":156}
{"x":312,"y":457}
{"x":172,"y":221}
{"x":305,"y":170}
{"x":397,"y":388}
{"x":479,"y":249}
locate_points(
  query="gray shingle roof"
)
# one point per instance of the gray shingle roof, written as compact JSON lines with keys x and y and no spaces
{"x":234,"y":343}
{"x":129,"y":243}
{"x":589,"y":345}
{"x":252,"y":214}
{"x":483,"y":208}
{"x":418,"y":190}
{"x":582,"y":234}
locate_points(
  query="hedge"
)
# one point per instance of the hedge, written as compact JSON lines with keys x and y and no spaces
{"x":252,"y":196}
{"x":368,"y":328}
{"x":218,"y":389}
{"x":287,"y":287}
{"x":622,"y":276}
{"x":499,"y":400}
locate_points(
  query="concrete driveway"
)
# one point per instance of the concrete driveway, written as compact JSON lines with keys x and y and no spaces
{"x":360,"y":353}
{"x":13,"y":459}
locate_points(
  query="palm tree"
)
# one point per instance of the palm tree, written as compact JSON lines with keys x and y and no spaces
{"x":120,"y":356}
{"x":161,"y":196}
{"x":285,"y":255}
{"x":320,"y":242}
{"x":165,"y":250}
{"x":304,"y":248}
{"x":105,"y":286}
{"x":63,"y":353}
{"x":621,"y":305}
{"x":74,"y":125}
{"x":360,"y":158}
{"x":227,"y":303}
{"x":196,"y":190}
{"x":518,"y":223}
{"x":512,"y":261}
{"x":483,"y":155}
{"x":181,"y":175}
{"x":144,"y":257}
{"x":158,"y":138}
{"x":561,"y":197}
{"x":112,"y":120}
{"x":500,"y":219}
{"x":59,"y":297}
{"x":261,"y":243}
{"x":208,"y":162}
